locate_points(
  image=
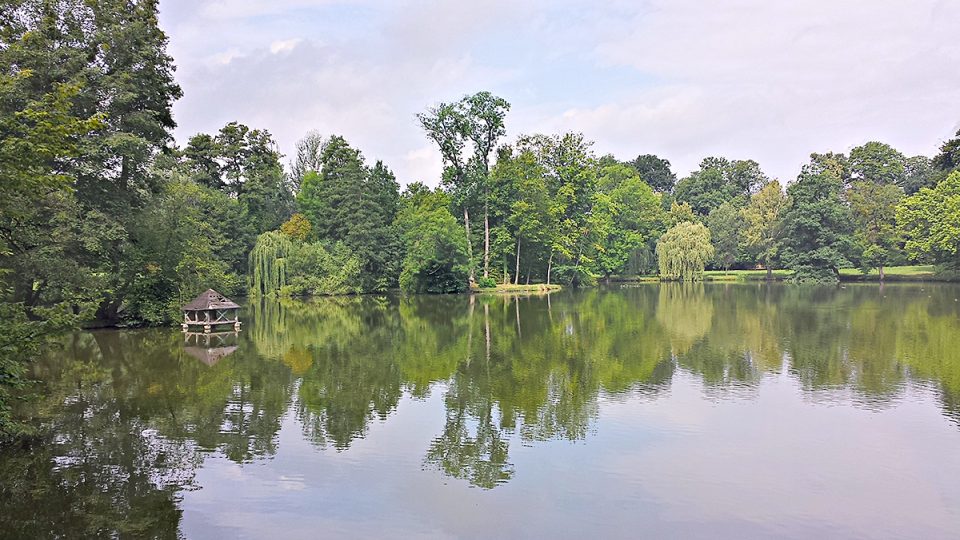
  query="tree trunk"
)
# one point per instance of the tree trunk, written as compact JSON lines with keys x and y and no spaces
{"x":880,"y":268}
{"x":466,"y":226}
{"x":549,"y":266}
{"x":516,"y":278}
{"x":486,"y":239}
{"x":769,"y":272}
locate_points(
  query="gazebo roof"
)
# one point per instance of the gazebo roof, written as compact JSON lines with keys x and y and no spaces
{"x":210,"y":299}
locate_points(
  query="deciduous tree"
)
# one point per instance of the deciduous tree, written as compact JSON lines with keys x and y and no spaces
{"x":930,"y":221}
{"x":817,"y":227}
{"x":761,"y":218}
{"x":683,"y":252}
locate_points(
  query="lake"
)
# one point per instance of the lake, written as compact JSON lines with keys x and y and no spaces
{"x":697,"y":411}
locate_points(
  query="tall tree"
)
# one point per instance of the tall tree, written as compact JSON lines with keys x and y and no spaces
{"x":930,"y":221}
{"x":308,"y":158}
{"x":873,"y":207}
{"x":245,"y":164}
{"x":719,"y":180}
{"x":725,"y":227}
{"x":878,"y":163}
{"x":115,"y":53}
{"x":949,"y":157}
{"x":354,"y":204}
{"x":816,"y":233}
{"x":761,"y":218}
{"x":485,"y":114}
{"x":447,"y":126}
{"x":626,"y":214}
{"x":520,"y":194}
{"x":476,"y":119}
{"x":655,"y":171}
{"x":571,"y":177}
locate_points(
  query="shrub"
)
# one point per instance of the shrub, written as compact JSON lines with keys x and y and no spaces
{"x":486,"y":283}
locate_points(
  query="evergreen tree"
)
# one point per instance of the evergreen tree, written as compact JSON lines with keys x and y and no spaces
{"x":347,"y":202}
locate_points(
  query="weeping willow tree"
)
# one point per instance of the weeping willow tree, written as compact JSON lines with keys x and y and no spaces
{"x":683,"y":252}
{"x":268,"y":267}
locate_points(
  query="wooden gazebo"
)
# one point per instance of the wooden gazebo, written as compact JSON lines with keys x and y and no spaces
{"x":211,"y":309}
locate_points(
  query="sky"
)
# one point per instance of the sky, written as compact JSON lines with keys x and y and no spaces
{"x":769,"y":80}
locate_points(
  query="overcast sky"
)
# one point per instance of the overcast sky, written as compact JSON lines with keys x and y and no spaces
{"x":746,"y":79}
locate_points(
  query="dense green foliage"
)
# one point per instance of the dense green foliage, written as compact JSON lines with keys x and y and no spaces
{"x":346,"y":201}
{"x":436,"y":258}
{"x":816,"y":227}
{"x":725,"y":224}
{"x":931,"y":222}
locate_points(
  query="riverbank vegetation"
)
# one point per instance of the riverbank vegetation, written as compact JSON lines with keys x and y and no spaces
{"x":105,"y":220}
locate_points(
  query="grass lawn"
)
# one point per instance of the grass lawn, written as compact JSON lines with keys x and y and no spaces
{"x":533,"y":287}
{"x":898,"y":273}
{"x":743,"y":275}
{"x":892,"y":273}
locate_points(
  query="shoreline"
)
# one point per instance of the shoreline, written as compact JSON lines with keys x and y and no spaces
{"x":711,"y":276}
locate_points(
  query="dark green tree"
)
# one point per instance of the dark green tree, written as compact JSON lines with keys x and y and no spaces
{"x":655,"y":171}
{"x":719,"y":180}
{"x":919,"y":173}
{"x":436,"y":255}
{"x":949,"y":157}
{"x":816,"y":227}
{"x":244,"y":163}
{"x":350,"y":203}
{"x":878,"y":163}
{"x":873,"y":207}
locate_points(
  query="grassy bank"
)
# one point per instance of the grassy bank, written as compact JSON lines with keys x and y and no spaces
{"x":744,"y":275}
{"x":509,"y":288}
{"x":719,"y":275}
{"x":918,"y":273}
{"x":899,"y":273}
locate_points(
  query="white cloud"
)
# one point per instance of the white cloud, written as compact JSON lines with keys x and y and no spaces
{"x":239,"y":9}
{"x":777,"y":80}
{"x":286,"y":45}
{"x":771,"y":81}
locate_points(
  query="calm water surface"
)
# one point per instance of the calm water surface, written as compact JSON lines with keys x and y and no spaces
{"x":742,"y":411}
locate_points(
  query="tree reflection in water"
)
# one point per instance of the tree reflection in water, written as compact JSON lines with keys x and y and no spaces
{"x":128,"y":416}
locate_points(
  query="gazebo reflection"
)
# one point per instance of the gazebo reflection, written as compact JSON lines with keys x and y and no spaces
{"x":210,"y":348}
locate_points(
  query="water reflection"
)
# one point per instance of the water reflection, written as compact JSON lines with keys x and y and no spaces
{"x":210,"y":348}
{"x":131,"y":415}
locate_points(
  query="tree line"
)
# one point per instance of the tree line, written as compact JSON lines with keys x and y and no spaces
{"x":105,"y":220}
